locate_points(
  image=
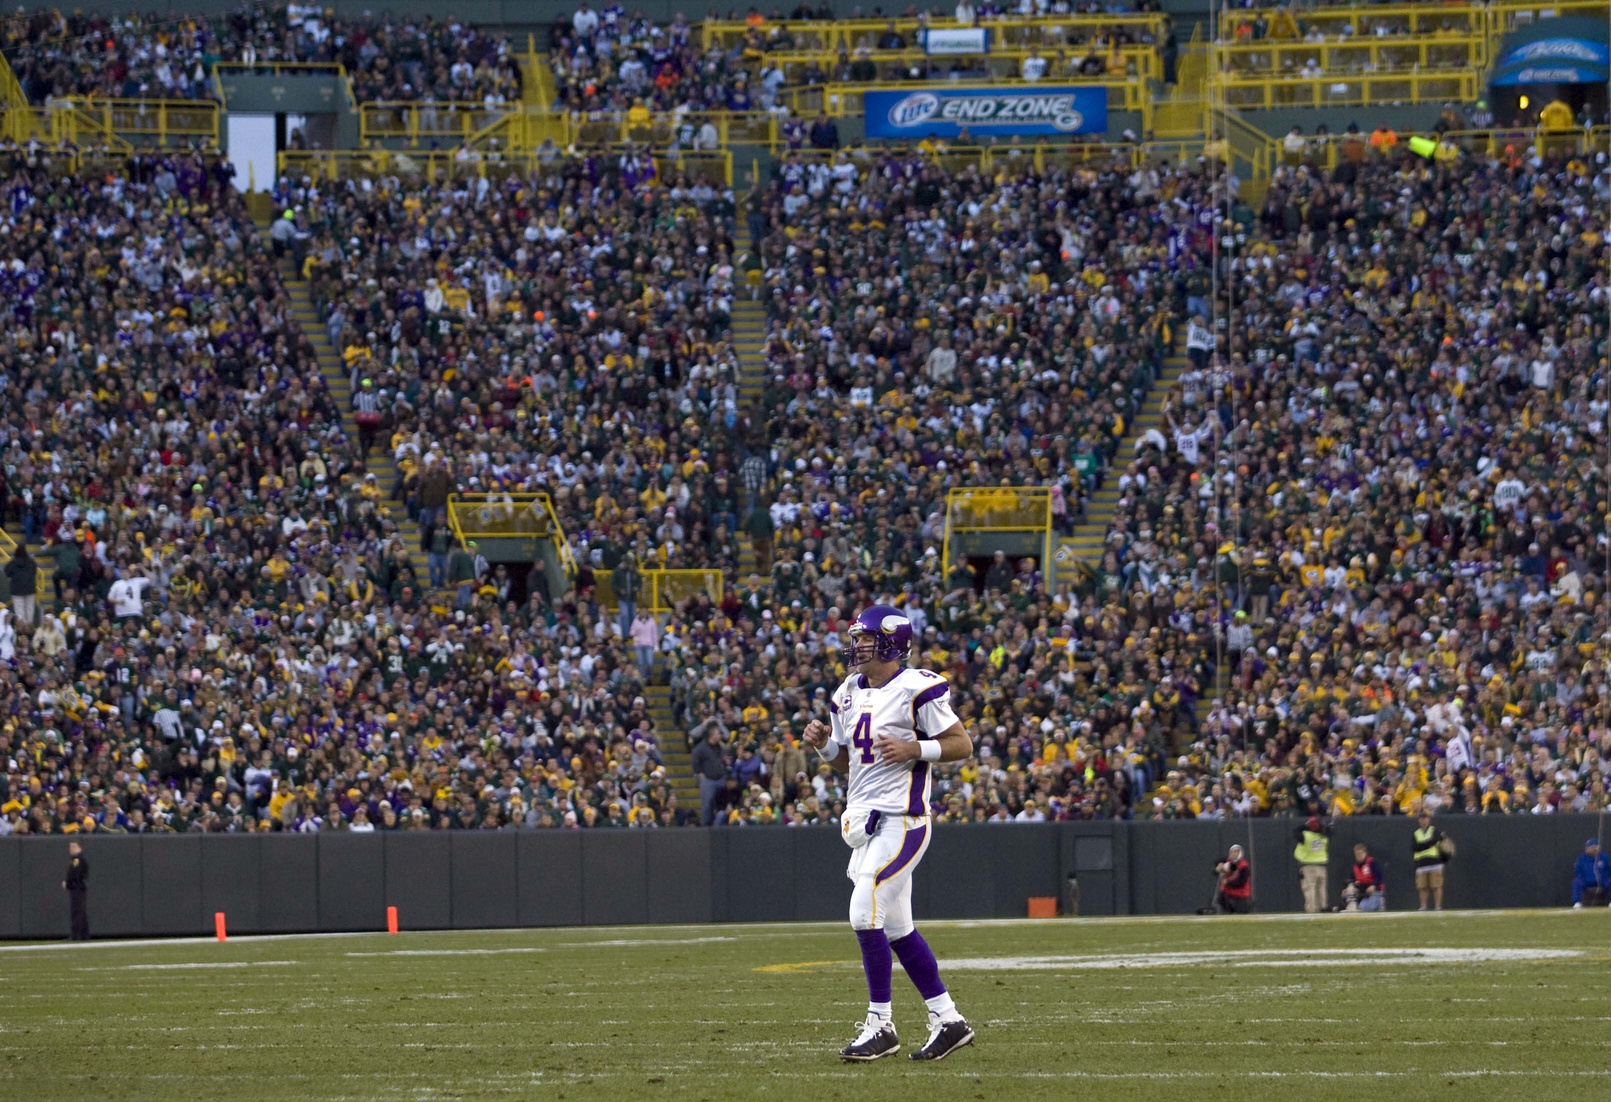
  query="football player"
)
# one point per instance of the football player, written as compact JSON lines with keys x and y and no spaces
{"x":889,"y":725}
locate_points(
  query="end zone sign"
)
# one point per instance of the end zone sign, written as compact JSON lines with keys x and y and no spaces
{"x":944,"y":112}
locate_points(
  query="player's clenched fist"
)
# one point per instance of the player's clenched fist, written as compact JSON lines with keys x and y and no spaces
{"x":816,"y":735}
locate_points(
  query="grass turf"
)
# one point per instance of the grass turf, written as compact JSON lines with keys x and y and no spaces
{"x":1235,"y":1008}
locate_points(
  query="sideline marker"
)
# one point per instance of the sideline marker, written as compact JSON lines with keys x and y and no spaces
{"x":391,"y":920}
{"x":218,"y":924}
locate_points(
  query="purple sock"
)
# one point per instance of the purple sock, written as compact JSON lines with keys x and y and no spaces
{"x":921,"y":967}
{"x":876,"y":962}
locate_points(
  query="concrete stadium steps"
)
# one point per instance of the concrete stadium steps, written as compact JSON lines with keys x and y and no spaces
{"x":1180,"y":114}
{"x":379,"y":462}
{"x":749,"y":342}
{"x":673,"y":747}
{"x":749,"y":335}
{"x":46,"y":591}
{"x":1086,"y":544}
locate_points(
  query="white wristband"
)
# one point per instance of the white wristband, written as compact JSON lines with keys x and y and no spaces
{"x":929,"y":750}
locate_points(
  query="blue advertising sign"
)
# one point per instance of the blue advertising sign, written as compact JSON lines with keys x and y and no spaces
{"x":1550,"y":74}
{"x":943,"y":112}
{"x":1549,"y":51}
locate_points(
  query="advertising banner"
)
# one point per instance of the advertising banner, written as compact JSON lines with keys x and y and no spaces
{"x":967,"y":40}
{"x":1021,"y":111}
{"x":1555,"y":50}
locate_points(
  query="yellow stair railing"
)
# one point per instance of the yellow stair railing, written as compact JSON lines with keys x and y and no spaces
{"x":21,"y":122}
{"x":419,"y":122}
{"x":1002,"y":509}
{"x":73,"y":124}
{"x":475,"y":517}
{"x":537,"y":85}
{"x":142,"y":122}
{"x":662,"y":589}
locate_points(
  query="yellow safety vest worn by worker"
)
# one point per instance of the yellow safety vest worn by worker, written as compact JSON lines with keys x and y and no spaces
{"x":1426,"y":847}
{"x":1312,"y":849}
{"x":1557,"y":116}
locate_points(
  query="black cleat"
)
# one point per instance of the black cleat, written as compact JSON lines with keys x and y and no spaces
{"x":876,"y":1040}
{"x":944,"y":1039}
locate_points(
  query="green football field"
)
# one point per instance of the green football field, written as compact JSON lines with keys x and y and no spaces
{"x":1511,"y":1005}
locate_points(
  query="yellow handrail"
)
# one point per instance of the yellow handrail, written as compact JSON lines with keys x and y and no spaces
{"x":732,"y":127}
{"x":1244,"y":90}
{"x":1358,"y":21}
{"x":1009,"y":30}
{"x":1491,"y":142}
{"x":996,"y":509}
{"x":1502,"y":13}
{"x":141,"y":121}
{"x":1042,"y":157}
{"x":416,"y":120}
{"x":1358,"y":55}
{"x":1003,"y":64}
{"x":715,"y":166}
{"x":8,"y":546}
{"x":662,"y":589}
{"x":523,"y":515}
{"x":22,"y":121}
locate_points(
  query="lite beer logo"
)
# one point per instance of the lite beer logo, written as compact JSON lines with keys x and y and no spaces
{"x":987,"y":110}
{"x":1558,"y":49}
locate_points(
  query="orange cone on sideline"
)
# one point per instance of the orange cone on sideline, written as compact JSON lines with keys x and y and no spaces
{"x":391,"y":920}
{"x":218,"y":924}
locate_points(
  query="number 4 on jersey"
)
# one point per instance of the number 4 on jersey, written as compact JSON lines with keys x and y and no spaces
{"x":862,"y":738}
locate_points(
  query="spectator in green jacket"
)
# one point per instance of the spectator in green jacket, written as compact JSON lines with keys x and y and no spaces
{"x":461,"y":573}
{"x":68,"y":560}
{"x":624,"y":584}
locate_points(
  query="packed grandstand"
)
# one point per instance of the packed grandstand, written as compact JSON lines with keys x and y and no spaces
{"x":1337,"y":446}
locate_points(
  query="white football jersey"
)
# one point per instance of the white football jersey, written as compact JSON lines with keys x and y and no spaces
{"x":914,"y":704}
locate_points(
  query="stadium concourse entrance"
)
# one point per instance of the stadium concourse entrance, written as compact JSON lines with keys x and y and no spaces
{"x":989,"y":572}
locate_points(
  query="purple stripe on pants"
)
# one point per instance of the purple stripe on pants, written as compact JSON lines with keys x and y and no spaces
{"x":918,"y":791}
{"x":909,"y":847}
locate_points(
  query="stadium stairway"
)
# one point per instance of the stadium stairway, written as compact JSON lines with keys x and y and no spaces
{"x":673,"y":747}
{"x":1180,"y":114}
{"x":749,"y":342}
{"x":1084,"y":548}
{"x":379,"y":462}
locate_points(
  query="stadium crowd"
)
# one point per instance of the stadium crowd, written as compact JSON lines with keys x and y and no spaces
{"x":1387,"y":489}
{"x":166,"y":56}
{"x":607,"y":63}
{"x":1370,"y":534}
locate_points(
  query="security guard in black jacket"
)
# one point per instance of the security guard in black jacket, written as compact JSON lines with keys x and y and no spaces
{"x":77,"y":887}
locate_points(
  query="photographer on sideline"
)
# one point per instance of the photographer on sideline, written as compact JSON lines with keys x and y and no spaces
{"x":1591,"y":877}
{"x":1235,"y":894}
{"x":1368,"y":892}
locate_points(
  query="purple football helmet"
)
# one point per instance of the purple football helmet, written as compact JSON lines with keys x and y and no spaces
{"x":882,"y":633}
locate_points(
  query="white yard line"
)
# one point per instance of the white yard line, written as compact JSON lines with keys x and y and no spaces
{"x":771,"y":929}
{"x":196,"y":964}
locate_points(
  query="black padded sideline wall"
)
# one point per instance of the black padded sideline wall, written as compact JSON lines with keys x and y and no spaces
{"x":166,"y":885}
